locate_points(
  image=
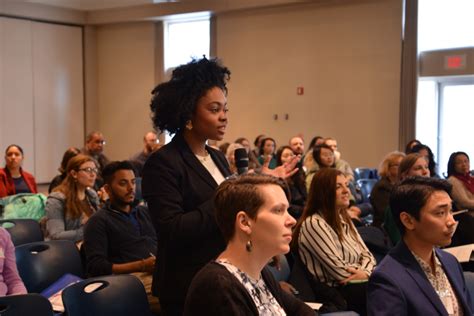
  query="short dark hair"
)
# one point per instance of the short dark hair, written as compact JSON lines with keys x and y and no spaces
{"x":111,"y":168}
{"x":452,"y":162}
{"x":241,"y":194}
{"x":317,"y":154}
{"x":14,"y":145}
{"x":174,"y":102}
{"x":411,"y":195}
{"x":262,"y":144}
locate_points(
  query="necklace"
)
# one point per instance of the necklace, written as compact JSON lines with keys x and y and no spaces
{"x":204,"y":158}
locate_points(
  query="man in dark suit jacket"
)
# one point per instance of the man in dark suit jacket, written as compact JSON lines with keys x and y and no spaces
{"x":417,"y":278}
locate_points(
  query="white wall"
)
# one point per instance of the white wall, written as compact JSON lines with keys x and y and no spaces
{"x":41,"y":96}
{"x":346,"y":55}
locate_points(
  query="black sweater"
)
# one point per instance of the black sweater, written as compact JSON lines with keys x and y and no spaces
{"x":215,"y":291}
{"x":110,"y":237}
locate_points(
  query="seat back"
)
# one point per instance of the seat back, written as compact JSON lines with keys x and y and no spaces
{"x":117,"y":295}
{"x":365,"y":173}
{"x":25,"y":305}
{"x":282,"y":274}
{"x":469,"y":277}
{"x":366,"y":186}
{"x":23,"y":231}
{"x":42,"y":263}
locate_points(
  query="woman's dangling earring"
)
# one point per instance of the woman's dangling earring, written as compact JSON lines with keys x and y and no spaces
{"x":189,"y":125}
{"x":248,"y":246}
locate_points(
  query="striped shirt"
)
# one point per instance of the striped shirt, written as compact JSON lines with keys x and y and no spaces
{"x":326,"y":257}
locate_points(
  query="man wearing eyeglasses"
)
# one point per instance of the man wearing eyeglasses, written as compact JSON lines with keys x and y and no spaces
{"x":94,"y":147}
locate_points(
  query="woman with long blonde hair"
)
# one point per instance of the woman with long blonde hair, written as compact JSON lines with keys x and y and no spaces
{"x":72,"y":203}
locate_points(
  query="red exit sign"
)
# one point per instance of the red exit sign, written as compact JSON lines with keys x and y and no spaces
{"x":455,"y":62}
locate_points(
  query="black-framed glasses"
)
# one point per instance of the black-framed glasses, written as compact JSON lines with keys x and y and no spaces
{"x":90,"y":170}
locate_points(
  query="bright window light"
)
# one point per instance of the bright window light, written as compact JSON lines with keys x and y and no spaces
{"x":445,"y":24}
{"x":185,"y":40}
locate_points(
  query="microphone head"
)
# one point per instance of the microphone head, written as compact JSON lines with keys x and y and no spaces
{"x":241,"y":160}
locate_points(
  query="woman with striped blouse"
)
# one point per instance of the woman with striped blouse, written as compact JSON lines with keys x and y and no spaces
{"x":328,"y":243}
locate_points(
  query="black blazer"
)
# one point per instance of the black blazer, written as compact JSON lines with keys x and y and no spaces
{"x":179,"y":192}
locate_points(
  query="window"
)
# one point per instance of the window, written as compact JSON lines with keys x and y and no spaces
{"x":444,"y":105}
{"x":185,"y":40}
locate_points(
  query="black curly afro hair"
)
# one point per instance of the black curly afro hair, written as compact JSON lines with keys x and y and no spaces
{"x":174,"y":102}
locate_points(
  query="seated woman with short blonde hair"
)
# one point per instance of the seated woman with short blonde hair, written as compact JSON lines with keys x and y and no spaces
{"x":251,"y":212}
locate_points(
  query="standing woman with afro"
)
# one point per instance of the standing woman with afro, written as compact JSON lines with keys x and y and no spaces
{"x":180,"y":179}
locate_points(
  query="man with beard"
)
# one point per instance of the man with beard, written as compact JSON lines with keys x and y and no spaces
{"x":120,"y":237}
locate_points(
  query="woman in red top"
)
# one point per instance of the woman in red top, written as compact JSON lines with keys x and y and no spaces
{"x":13,"y":179}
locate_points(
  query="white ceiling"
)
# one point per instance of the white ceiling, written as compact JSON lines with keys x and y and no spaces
{"x":90,"y":5}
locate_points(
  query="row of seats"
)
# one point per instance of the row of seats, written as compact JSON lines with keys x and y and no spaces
{"x":42,"y":263}
{"x":79,"y":301}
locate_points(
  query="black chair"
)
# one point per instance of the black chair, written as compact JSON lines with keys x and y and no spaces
{"x":366,"y":186}
{"x":282,"y":274}
{"x":25,"y":305}
{"x":40,"y":264}
{"x":365,"y":173}
{"x":23,"y":231}
{"x":118,"y":295}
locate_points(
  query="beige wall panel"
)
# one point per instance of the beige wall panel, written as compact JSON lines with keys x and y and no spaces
{"x":58,"y":95}
{"x":16,"y":91}
{"x":347,"y":58}
{"x":126,"y":76}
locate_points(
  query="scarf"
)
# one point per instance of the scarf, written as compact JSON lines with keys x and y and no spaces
{"x":468,"y":181}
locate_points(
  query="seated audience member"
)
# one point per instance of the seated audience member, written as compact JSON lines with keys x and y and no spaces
{"x":230,"y":155}
{"x":324,"y":157}
{"x":120,"y":238}
{"x":257,"y":142}
{"x":71,"y":152}
{"x":329,"y":244}
{"x":380,"y":194}
{"x":251,"y":212}
{"x":296,"y":183}
{"x":71,"y":204}
{"x":308,"y":160}
{"x":426,"y":151}
{"x":253,"y":160}
{"x":150,"y":144}
{"x":411,"y":165}
{"x":416,"y":277}
{"x":297,"y":145}
{"x":94,"y":147}
{"x":412,"y":143}
{"x":459,"y":175}
{"x":13,"y":179}
{"x":463,"y":196}
{"x":267,"y":149}
{"x":10,"y":281}
{"x":340,"y":163}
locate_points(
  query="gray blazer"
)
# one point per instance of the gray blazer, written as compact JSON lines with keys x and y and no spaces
{"x":59,"y":227}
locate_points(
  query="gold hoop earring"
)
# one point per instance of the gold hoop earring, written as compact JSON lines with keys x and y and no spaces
{"x":248,"y":246}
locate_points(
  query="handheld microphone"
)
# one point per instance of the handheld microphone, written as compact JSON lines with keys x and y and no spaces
{"x":241,"y":160}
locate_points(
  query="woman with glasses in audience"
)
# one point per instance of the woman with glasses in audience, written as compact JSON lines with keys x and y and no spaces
{"x":13,"y":179}
{"x":379,"y":197}
{"x":71,"y":204}
{"x":328,"y":243}
{"x":251,"y":212}
{"x":71,"y":152}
